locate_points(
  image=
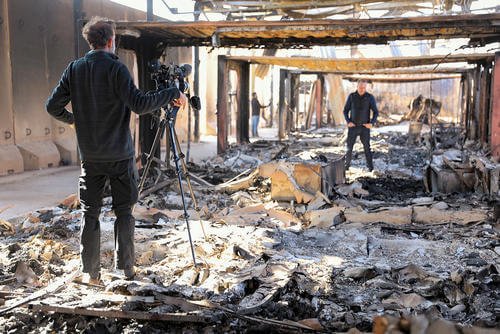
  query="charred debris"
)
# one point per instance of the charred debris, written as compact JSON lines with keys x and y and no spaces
{"x":291,"y":242}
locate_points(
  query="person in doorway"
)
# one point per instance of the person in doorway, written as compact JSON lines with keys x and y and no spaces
{"x":256,"y":107}
{"x":357,"y":113}
{"x":102,"y":94}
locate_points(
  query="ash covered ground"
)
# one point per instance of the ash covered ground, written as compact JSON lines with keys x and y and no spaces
{"x":381,"y":251}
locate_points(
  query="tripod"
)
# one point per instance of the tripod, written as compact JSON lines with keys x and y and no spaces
{"x":167,"y":118}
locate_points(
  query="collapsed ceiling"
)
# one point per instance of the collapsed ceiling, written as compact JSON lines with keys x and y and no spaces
{"x":481,"y":29}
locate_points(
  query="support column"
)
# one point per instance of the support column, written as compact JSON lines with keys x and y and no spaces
{"x":468,"y":105}
{"x":196,"y":85}
{"x":483,"y":103}
{"x":282,"y":107}
{"x":495,"y":109}
{"x":319,"y":102}
{"x":476,"y":100}
{"x":243,"y":105}
{"x":222,"y":82}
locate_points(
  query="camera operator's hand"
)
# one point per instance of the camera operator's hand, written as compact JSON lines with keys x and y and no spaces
{"x":181,"y":101}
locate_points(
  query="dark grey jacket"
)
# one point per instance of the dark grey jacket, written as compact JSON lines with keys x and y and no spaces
{"x":359,"y":108}
{"x":102,"y":93}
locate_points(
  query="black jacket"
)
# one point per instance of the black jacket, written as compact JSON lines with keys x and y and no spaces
{"x":360,"y":107}
{"x":102,"y":93}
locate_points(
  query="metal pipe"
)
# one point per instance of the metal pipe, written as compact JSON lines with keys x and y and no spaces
{"x":149,"y":11}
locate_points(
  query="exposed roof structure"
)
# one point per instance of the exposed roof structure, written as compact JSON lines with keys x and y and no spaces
{"x":359,"y":65}
{"x":319,"y":9}
{"x":391,"y":79}
{"x":484,"y":28}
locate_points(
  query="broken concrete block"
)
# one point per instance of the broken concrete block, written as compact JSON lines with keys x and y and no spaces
{"x":391,"y":215}
{"x":409,"y":300}
{"x":295,"y":181}
{"x":24,"y":274}
{"x":424,"y":215}
{"x":316,"y":203}
{"x":322,"y":218}
{"x":11,"y":160}
{"x":352,"y":189}
{"x":440,"y":206}
{"x":67,"y":147}
{"x":38,"y":155}
{"x":422,"y":200}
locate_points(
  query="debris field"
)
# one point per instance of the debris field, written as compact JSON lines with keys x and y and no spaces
{"x":383,"y":251}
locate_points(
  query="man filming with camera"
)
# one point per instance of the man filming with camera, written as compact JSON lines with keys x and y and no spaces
{"x":102,"y":95}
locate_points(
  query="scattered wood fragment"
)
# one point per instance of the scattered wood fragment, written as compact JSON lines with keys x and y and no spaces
{"x":114,"y":313}
{"x":71,"y":202}
{"x":238,"y":184}
{"x":273,"y":277}
{"x":188,"y":306}
{"x":156,"y":187}
{"x":51,"y":288}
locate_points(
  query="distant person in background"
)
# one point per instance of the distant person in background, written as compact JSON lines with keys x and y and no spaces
{"x":359,"y":121}
{"x":256,"y":107}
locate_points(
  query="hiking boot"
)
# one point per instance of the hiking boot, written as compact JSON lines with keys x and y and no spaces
{"x":129,"y":273}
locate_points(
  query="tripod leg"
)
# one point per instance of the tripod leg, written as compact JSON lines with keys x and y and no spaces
{"x":186,"y":173}
{"x":175,"y":152}
{"x":150,"y":158}
{"x":188,"y":180}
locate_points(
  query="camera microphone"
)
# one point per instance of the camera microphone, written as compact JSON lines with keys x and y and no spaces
{"x":186,"y":69}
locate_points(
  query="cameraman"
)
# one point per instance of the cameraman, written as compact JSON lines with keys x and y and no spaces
{"x":102,"y":93}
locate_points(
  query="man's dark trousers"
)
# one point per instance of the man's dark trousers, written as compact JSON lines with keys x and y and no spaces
{"x":123,"y":178}
{"x":364,"y":134}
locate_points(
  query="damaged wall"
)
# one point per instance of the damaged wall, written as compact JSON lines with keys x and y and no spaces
{"x":394,"y":98}
{"x":37,"y":43}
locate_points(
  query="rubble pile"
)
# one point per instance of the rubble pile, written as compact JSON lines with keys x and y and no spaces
{"x":377,"y":253}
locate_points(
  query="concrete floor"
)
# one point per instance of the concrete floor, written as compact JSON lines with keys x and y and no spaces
{"x":33,"y":190}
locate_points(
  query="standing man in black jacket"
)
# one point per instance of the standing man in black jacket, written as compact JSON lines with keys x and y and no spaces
{"x":359,"y":121}
{"x":102,"y":94}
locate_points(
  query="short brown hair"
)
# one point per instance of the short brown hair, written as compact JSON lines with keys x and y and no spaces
{"x":98,"y":31}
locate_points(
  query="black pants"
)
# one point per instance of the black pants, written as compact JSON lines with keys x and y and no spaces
{"x":123,"y":178}
{"x":364,"y":134}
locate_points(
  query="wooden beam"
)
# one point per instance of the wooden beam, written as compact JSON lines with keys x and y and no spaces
{"x":282,"y":108}
{"x":418,"y":70}
{"x":222,"y":96}
{"x":244,"y":103}
{"x":280,"y":34}
{"x":495,"y":110}
{"x":401,"y":79}
{"x":333,"y":65}
{"x":114,"y":313}
{"x":318,"y":102}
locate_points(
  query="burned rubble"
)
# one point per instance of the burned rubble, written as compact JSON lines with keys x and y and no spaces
{"x":379,"y":253}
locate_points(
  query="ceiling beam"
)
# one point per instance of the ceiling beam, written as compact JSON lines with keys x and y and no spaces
{"x":333,"y":65}
{"x":305,"y":33}
{"x":400,"y":79}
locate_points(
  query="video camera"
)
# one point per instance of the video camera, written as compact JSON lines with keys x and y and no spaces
{"x":173,"y":76}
